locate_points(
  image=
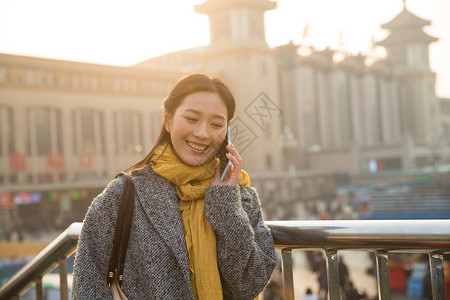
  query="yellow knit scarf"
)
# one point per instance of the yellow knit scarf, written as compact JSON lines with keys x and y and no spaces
{"x":190,"y":183}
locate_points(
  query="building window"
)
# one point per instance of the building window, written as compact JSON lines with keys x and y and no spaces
{"x":17,"y":161}
{"x":44,"y":130}
{"x":445,"y":107}
{"x":44,"y":144}
{"x":3,"y":74}
{"x":446,"y":132}
{"x":6,"y":132}
{"x":89,"y":132}
{"x":268,"y":161}
{"x":129,"y":132}
{"x":263,"y":68}
{"x":220,"y":26}
{"x":239,"y":24}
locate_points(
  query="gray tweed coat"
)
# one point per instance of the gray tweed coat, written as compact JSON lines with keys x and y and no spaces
{"x":157,"y":265}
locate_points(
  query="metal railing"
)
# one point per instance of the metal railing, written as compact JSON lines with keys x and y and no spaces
{"x":379,"y":236}
{"x":52,"y":256}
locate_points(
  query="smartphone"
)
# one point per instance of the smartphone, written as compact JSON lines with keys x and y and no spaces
{"x":227,"y":168}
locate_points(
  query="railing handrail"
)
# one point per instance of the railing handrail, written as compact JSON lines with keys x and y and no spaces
{"x":389,"y":235}
{"x":45,"y":261}
{"x":425,"y":236}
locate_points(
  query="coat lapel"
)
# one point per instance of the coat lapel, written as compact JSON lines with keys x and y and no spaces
{"x":159,"y":200}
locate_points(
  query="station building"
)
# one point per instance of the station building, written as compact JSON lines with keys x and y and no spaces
{"x":303,"y":120}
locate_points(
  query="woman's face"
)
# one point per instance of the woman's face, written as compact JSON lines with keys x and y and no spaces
{"x":198,"y":127}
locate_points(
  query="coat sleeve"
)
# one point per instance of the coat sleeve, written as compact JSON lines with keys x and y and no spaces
{"x":95,"y":245}
{"x":245,"y":247}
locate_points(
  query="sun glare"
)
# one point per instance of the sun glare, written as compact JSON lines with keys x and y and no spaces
{"x":124,"y":33}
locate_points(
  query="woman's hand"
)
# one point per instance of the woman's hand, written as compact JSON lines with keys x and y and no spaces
{"x":234,"y":174}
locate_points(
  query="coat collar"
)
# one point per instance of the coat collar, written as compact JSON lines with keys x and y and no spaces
{"x":159,"y":201}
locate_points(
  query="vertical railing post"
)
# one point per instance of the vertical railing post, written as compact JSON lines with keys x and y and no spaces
{"x":63,"y":289}
{"x":333,"y":274}
{"x":437,"y":276}
{"x":288,"y":278}
{"x":39,"y":290}
{"x":384,"y":285}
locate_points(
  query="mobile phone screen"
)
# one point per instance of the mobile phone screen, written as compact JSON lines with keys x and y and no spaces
{"x":225,"y":171}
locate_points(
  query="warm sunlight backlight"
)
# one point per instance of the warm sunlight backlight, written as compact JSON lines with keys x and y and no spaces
{"x":124,"y":33}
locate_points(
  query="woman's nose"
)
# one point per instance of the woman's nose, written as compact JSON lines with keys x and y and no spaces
{"x":201,"y":131}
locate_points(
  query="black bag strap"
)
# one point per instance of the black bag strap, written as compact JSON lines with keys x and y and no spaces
{"x":122,"y":232}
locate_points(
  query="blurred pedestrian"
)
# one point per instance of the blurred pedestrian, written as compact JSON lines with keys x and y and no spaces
{"x":274,"y":289}
{"x":351,"y":293}
{"x":309,"y":295}
{"x":322,"y":280}
{"x":344,"y":276}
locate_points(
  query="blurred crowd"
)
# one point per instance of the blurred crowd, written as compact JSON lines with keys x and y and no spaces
{"x":35,"y":229}
{"x":326,"y":209}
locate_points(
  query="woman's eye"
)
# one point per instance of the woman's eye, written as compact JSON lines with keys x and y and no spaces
{"x":217,"y":125}
{"x":191,"y":119}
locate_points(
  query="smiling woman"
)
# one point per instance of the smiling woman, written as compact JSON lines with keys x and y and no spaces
{"x":198,"y":127}
{"x":192,"y":236}
{"x":200,"y":107}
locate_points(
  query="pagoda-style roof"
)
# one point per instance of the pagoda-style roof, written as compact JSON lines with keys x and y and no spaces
{"x":318,"y":58}
{"x":382,"y":67}
{"x":405,"y":19}
{"x":218,"y":5}
{"x":354,"y":63}
{"x":286,"y":54}
{"x":287,"y":47}
{"x":405,"y":28}
{"x":407,"y":35}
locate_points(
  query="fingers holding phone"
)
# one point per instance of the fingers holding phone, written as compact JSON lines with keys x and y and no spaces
{"x":232,"y":174}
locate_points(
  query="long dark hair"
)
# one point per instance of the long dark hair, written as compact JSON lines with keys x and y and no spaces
{"x":186,"y":86}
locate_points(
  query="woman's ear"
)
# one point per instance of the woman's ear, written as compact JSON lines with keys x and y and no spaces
{"x":167,"y":122}
{"x":167,"y":125}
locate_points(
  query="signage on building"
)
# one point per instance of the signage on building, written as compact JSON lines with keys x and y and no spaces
{"x":27,"y":198}
{"x":65,"y":203}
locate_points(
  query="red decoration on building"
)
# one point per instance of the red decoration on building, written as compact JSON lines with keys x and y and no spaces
{"x":87,"y":160}
{"x":18,"y":162}
{"x":54,"y":160}
{"x":42,"y":177}
{"x":6,"y":199}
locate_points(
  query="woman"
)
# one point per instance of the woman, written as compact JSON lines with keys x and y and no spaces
{"x":192,"y":236}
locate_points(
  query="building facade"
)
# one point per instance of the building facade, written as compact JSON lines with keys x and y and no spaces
{"x":360,"y":118}
{"x":67,"y":128}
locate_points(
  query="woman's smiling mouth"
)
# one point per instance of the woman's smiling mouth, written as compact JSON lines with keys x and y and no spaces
{"x":197,"y":147}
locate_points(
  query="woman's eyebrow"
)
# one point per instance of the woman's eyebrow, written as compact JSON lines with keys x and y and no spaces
{"x":199,"y":113}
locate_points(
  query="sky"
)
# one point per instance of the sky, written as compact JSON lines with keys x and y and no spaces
{"x":125,"y":32}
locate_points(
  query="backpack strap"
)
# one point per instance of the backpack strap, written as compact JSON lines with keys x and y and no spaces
{"x":122,"y":233}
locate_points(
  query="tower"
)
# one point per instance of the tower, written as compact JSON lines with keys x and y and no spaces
{"x":239,"y":54}
{"x":407,"y":47}
{"x":236,"y":23}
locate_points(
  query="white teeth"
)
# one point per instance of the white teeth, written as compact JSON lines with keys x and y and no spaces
{"x":196,"y":147}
